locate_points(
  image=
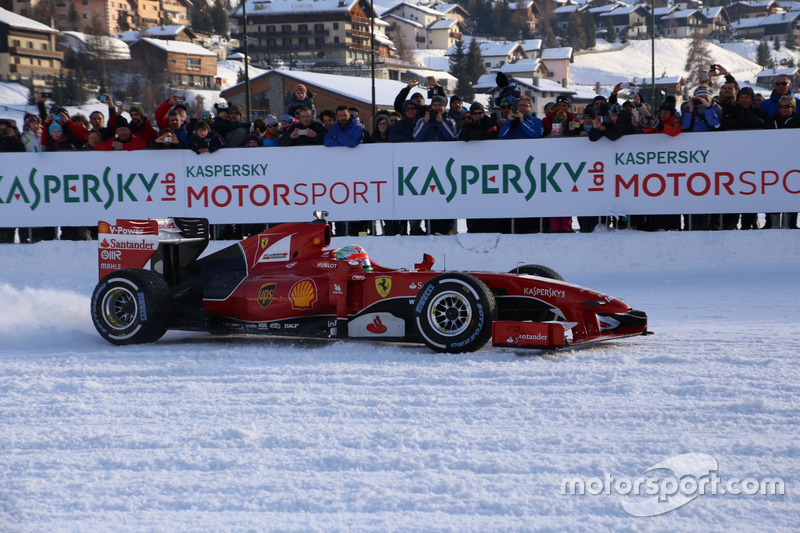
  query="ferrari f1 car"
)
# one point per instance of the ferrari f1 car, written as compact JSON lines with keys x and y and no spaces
{"x":287,"y":281}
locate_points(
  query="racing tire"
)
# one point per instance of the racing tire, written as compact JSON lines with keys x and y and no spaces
{"x":537,"y":270}
{"x":131,"y":307}
{"x":453,"y":313}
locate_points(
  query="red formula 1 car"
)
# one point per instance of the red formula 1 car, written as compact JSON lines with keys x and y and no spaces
{"x":285,"y":281}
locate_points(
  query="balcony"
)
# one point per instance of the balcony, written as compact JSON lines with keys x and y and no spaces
{"x":34,"y":52}
{"x":36,"y":69}
{"x":292,"y":33}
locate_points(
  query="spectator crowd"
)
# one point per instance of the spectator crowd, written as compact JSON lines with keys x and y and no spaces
{"x":411,"y":120}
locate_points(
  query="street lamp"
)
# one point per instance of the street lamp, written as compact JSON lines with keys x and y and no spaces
{"x":372,"y":52}
{"x":246,"y":62}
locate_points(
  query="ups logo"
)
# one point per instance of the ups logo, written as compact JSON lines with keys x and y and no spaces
{"x":265,"y":294}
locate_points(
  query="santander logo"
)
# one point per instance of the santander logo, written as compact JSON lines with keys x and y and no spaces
{"x":376,"y":326}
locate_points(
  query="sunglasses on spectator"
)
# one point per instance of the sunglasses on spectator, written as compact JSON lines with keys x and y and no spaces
{"x":781,"y":83}
{"x":786,"y":106}
{"x":272,"y":125}
{"x":477,"y":112}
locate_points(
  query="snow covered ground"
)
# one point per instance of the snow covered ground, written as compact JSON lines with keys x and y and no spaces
{"x":200,"y":433}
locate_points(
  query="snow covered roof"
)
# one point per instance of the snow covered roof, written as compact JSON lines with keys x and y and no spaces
{"x":710,"y":12}
{"x":662,"y":11}
{"x":179,"y":47}
{"x":603,"y":9}
{"x":405,"y":20}
{"x":524,"y":4}
{"x":566,"y":9}
{"x":776,"y":18}
{"x":682,"y":14}
{"x":524,"y":66}
{"x":273,"y":7}
{"x":359,"y":89}
{"x":490,"y":48}
{"x":80,"y":42}
{"x":770,"y":73}
{"x":165,"y":31}
{"x":423,"y":9}
{"x":531,"y":45}
{"x":487,"y":83}
{"x":23,"y":23}
{"x":129,"y":36}
{"x":444,"y":24}
{"x":557,"y":53}
{"x":438,"y":74}
{"x":669,"y":80}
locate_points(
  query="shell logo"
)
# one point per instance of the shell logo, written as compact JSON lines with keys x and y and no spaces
{"x":303,"y":294}
{"x":102,"y":227}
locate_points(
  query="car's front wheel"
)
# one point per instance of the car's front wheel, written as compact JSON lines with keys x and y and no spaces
{"x":454,"y":313}
{"x":130,"y":306}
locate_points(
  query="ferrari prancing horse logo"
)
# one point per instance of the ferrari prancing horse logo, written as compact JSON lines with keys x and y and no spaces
{"x":383,"y":285}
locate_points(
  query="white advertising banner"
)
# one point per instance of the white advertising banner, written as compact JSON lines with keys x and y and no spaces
{"x":719,"y":172}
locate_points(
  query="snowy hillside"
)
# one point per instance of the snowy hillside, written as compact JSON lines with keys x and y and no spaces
{"x":202,"y":433}
{"x":634,"y":61}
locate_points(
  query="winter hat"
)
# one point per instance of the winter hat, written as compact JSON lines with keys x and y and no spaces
{"x":379,"y":118}
{"x":239,"y":108}
{"x":121,"y":122}
{"x":441,"y":99}
{"x":562,"y":98}
{"x":300,"y":86}
{"x":138,"y":109}
{"x":615,"y":109}
{"x":501,"y":80}
{"x":668,"y":104}
{"x":455,"y":98}
{"x":417,"y":95}
{"x":702,"y":90}
{"x":599,"y":97}
{"x":747,"y":91}
{"x":270,"y":120}
{"x":54,"y":127}
{"x":508,"y":101}
{"x":476,"y":106}
{"x":255,"y":138}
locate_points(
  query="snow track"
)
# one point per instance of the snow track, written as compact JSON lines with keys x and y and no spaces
{"x":200,"y":433}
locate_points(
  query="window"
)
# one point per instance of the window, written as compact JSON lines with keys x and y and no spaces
{"x":30,"y":44}
{"x":15,"y":43}
{"x":44,"y":46}
{"x":303,"y":40}
{"x":302,"y":28}
{"x":286,"y":28}
{"x":270,"y":29}
{"x":336,"y":40}
{"x":193,"y":64}
{"x":335,"y":25}
{"x":319,"y":28}
{"x":319,"y":40}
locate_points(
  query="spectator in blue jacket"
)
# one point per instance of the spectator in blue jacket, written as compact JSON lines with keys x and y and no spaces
{"x":346,"y":131}
{"x":522,"y":124}
{"x":701,"y":113}
{"x":436,"y":124}
{"x":402,"y":131}
{"x":783,"y":87}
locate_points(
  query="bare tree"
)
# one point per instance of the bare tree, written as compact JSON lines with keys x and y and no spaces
{"x":698,"y":61}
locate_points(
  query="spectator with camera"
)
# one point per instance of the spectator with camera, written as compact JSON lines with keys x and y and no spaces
{"x":612,"y":122}
{"x":10,"y":142}
{"x":306,"y":132}
{"x":171,"y":137}
{"x":436,"y":125}
{"x":434,"y":89}
{"x":561,"y":122}
{"x":230,"y":124}
{"x":173,"y":103}
{"x":701,"y":113}
{"x":124,"y":139}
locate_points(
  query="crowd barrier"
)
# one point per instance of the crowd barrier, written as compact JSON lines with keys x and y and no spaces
{"x":719,"y":172}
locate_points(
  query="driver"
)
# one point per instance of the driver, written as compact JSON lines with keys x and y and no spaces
{"x":354,"y":253}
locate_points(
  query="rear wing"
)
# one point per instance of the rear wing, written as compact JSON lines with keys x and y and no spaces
{"x":169,"y":244}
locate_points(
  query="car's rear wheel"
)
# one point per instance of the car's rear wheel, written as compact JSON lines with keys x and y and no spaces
{"x":537,"y":270}
{"x":130,"y":307}
{"x":454,"y":313}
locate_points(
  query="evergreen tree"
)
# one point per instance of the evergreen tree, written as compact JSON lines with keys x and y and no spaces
{"x":698,"y":60}
{"x":219,"y":18}
{"x":473,"y":69}
{"x":776,"y":44}
{"x":611,"y":32}
{"x":122,"y":21}
{"x":73,"y":17}
{"x":790,"y":39}
{"x":576,"y":37}
{"x":458,"y":61}
{"x":589,"y":29}
{"x":240,"y":76}
{"x":762,"y":54}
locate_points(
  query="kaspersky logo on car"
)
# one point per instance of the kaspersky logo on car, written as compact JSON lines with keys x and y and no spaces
{"x":505,"y":178}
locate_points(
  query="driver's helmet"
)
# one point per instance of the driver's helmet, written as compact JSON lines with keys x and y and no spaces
{"x":352,"y":253}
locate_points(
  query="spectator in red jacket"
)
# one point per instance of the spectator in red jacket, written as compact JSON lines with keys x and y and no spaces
{"x":124,"y":139}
